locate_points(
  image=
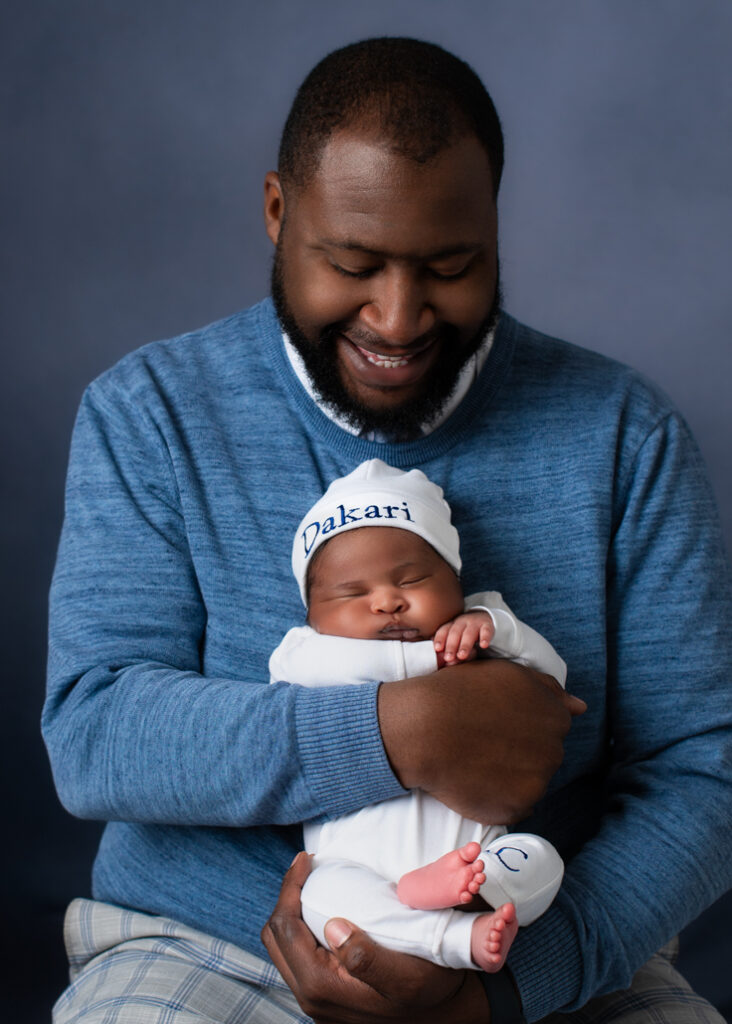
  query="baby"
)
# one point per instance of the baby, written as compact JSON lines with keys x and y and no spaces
{"x":377,"y":561}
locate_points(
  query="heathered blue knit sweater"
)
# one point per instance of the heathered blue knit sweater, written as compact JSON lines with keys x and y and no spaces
{"x":577,"y":493}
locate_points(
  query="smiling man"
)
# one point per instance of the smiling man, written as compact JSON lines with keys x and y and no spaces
{"x":576,"y":489}
{"x":392,"y":274}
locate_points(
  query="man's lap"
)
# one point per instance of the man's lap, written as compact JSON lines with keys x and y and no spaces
{"x":129,"y":967}
{"x":658,"y":995}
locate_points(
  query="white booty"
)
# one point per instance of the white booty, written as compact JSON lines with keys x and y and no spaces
{"x":522,"y":869}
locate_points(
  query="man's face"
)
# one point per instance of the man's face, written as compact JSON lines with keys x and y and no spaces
{"x":386,"y":275}
{"x":381,"y":583}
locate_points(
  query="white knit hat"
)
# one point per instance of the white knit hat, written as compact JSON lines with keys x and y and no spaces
{"x":375,"y":494}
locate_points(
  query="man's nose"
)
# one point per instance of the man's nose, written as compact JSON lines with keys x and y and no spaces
{"x":387,"y":600}
{"x":399,"y":308}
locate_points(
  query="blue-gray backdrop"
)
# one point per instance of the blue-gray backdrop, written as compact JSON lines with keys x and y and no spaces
{"x":136,"y":136}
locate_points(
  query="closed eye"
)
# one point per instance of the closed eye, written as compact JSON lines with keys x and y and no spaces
{"x":358,"y":274}
{"x":440,"y":275}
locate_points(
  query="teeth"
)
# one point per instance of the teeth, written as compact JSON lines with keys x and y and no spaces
{"x":379,"y":360}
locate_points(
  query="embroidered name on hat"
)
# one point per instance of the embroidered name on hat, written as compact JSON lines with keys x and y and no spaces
{"x":354,"y":515}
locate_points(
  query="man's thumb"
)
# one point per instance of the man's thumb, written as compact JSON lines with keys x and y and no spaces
{"x":355,"y":950}
{"x":337,"y":932}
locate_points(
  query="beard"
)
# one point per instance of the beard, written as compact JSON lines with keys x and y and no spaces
{"x":399,"y":422}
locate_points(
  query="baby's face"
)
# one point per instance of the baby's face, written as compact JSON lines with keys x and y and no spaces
{"x":382,"y":583}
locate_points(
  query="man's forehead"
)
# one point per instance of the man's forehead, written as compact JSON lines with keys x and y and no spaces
{"x":363,"y":192}
{"x":353,"y":155}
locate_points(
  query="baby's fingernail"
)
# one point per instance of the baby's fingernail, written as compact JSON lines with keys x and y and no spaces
{"x":337,"y":932}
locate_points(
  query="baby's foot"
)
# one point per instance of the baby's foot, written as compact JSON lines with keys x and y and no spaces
{"x":452,"y":879}
{"x":491,"y":938}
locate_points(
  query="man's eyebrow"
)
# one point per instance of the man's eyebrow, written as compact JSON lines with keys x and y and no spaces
{"x":459,"y":249}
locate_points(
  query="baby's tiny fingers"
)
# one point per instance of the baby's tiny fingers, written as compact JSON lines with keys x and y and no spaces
{"x":471,"y":632}
{"x":486,"y":634}
{"x":453,"y":639}
{"x":439,"y":638}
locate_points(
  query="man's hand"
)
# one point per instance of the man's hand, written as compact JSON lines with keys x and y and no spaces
{"x":484,"y":737}
{"x":360,"y":982}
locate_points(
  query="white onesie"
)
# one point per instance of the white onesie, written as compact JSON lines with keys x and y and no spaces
{"x":360,"y":857}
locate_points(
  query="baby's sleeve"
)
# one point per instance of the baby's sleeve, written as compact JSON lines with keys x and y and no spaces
{"x":314,"y":659}
{"x":514,"y":639}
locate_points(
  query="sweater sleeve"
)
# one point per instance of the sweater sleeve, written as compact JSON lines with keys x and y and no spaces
{"x":661,"y":854}
{"x":135,"y":731}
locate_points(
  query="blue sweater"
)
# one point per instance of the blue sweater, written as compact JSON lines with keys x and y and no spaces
{"x":578,"y":493}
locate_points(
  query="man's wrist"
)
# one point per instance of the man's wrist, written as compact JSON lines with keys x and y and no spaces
{"x":401,"y":710}
{"x":503,"y":997}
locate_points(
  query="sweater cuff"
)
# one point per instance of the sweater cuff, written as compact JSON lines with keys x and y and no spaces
{"x":342,"y":755}
{"x":546,"y":963}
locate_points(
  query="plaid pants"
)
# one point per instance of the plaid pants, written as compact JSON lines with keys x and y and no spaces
{"x":132,"y":968}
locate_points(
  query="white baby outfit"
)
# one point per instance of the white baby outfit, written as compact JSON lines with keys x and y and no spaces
{"x":360,"y":857}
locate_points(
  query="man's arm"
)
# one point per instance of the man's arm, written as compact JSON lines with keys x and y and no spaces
{"x":423,"y":719}
{"x":135,"y":730}
{"x":491,"y":765}
{"x":660,"y":855}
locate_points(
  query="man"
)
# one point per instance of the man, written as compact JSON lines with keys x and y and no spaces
{"x":575,"y":488}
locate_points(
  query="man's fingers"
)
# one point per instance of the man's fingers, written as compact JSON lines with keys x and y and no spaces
{"x":275,"y":955}
{"x":357,"y":953}
{"x":285,"y":928}
{"x":575,"y":705}
{"x":356,"y":981}
{"x":397,"y":978}
{"x":297,"y":872}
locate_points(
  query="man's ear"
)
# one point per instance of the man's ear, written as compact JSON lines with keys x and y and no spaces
{"x":274,"y":205}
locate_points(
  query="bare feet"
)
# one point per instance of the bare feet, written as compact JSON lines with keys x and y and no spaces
{"x":446,"y":882}
{"x":491,"y":938}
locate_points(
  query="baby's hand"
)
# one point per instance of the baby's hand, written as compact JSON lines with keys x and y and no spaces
{"x":456,"y":640}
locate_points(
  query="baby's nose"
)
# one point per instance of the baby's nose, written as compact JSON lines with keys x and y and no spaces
{"x":387,"y":599}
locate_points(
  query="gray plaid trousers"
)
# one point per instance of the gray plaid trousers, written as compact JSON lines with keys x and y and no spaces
{"x":133,"y":968}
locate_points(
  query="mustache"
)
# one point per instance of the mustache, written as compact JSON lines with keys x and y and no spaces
{"x":359,"y":335}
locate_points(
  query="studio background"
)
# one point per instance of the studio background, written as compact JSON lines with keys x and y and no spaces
{"x":136,"y":137}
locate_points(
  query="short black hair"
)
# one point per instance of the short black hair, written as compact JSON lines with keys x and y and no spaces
{"x":419,"y":96}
